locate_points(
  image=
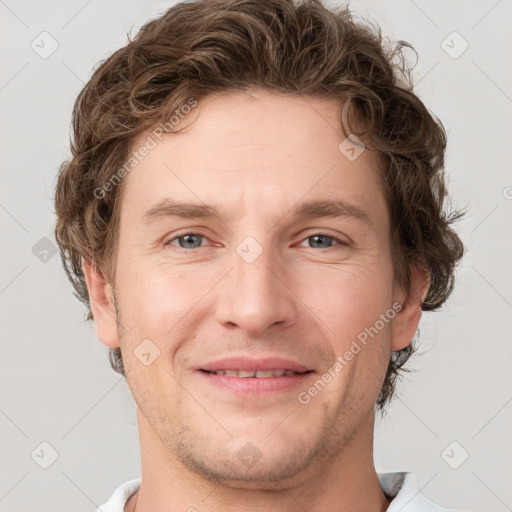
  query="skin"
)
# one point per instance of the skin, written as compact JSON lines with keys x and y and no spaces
{"x":254,"y":157}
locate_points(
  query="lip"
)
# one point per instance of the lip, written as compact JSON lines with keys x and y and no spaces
{"x":252,"y":386}
{"x":249,"y":364}
{"x":255,"y":387}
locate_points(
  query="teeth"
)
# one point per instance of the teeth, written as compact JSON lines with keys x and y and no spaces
{"x":264,"y":373}
{"x":243,"y":373}
{"x":258,"y":374}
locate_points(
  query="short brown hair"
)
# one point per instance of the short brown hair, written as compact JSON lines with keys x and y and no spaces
{"x":202,"y":47}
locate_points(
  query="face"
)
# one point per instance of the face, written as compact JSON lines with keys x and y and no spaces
{"x":250,"y":243}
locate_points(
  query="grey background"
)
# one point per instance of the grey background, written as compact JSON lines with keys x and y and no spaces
{"x":56,"y":385}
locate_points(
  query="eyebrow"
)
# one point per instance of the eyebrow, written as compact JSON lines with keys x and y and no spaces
{"x":332,"y":208}
{"x":309,"y":209}
{"x":170,"y":208}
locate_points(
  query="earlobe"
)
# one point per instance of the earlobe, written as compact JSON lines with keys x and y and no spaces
{"x":407,"y":320}
{"x":102,"y":304}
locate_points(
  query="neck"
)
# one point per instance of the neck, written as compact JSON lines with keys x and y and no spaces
{"x":346,"y":482}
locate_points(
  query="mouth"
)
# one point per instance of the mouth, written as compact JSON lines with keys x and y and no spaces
{"x":258,"y":374}
{"x":255,"y":378}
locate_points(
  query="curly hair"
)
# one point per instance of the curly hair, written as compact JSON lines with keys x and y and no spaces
{"x":202,"y":47}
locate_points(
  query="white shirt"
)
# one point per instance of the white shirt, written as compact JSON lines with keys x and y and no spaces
{"x":402,"y":487}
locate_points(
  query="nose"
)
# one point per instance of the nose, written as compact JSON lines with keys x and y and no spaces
{"x":256,"y":296}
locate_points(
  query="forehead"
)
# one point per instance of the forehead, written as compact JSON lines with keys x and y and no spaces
{"x":262,"y":147}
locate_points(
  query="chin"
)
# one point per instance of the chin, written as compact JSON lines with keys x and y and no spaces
{"x":263,"y":475}
{"x":242,"y":464}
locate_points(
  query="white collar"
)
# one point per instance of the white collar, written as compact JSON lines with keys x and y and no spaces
{"x":401,"y":486}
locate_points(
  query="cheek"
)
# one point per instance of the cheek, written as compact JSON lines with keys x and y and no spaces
{"x":153,"y":304}
{"x":351,"y":305}
{"x":154,"y":299}
{"x":350,"y":299}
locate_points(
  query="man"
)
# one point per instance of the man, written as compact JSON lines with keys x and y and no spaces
{"x":253,"y":216}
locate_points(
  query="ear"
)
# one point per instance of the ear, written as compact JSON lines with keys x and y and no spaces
{"x":102,"y":304}
{"x":406,"y":321}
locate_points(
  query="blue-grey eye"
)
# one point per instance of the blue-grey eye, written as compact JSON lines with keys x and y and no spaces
{"x":190,"y":241}
{"x":321,"y":241}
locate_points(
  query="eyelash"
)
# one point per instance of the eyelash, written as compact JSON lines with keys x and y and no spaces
{"x":338,"y":241}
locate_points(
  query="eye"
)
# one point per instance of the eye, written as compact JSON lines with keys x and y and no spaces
{"x":187,"y":240}
{"x":195,"y":240}
{"x":323,"y":241}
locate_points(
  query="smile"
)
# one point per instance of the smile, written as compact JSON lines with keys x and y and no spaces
{"x":259,"y":374}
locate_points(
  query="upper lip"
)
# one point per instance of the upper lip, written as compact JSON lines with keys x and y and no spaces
{"x":250,"y":364}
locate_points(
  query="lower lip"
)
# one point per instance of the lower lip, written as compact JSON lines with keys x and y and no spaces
{"x":252,"y":386}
